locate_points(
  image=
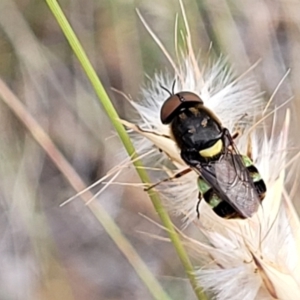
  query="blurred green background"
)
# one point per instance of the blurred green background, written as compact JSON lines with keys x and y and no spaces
{"x":48,"y":252}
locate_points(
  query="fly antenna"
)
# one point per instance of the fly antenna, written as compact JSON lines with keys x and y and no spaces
{"x":173,"y":86}
{"x":164,"y":88}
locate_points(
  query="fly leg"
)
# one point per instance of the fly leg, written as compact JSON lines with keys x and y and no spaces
{"x":191,"y":157}
{"x":198,"y":205}
{"x":249,"y":144}
{"x":230,"y":140}
{"x":249,"y":147}
{"x":236,"y":134}
{"x":238,"y":130}
{"x":176,"y":175}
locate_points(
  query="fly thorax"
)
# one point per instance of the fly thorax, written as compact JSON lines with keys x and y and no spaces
{"x":194,"y":128}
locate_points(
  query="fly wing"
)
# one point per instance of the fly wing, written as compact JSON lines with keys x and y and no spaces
{"x":235,"y":181}
{"x":232,"y":181}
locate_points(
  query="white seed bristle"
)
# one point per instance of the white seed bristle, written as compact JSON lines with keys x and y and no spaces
{"x":256,"y":258}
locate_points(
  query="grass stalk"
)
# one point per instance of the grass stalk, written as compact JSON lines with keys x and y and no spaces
{"x":111,"y":112}
{"x":77,"y":183}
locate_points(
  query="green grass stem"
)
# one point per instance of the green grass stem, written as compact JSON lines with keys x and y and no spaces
{"x":111,"y":112}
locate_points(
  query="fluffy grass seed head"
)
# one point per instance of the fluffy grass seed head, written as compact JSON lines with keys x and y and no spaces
{"x":255,"y":258}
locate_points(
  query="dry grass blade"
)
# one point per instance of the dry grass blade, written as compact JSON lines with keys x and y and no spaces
{"x":159,"y":43}
{"x":117,"y":169}
{"x":75,"y":181}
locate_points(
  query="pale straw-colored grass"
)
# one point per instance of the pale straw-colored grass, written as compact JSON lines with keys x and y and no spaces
{"x":255,"y":258}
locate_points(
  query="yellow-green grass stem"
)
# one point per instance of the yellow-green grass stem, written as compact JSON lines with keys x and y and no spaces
{"x":105,"y":101}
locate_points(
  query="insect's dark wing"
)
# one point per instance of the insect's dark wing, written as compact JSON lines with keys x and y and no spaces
{"x":232,"y":181}
{"x":207,"y":172}
{"x":235,"y":181}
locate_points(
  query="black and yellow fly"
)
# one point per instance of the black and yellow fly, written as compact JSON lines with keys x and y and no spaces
{"x":228,"y":181}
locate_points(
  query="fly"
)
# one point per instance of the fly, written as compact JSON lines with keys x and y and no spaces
{"x":228,"y":182}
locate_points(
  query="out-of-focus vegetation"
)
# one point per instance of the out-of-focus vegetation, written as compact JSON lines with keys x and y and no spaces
{"x":48,"y":252}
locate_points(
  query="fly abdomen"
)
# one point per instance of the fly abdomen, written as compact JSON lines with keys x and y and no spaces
{"x":259,"y":183}
{"x":261,"y":189}
{"x":220,"y":207}
{"x":226,"y":211}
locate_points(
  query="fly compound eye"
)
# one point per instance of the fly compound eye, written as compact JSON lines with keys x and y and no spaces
{"x":169,"y":108}
{"x":189,"y":97}
{"x":175,"y":102}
